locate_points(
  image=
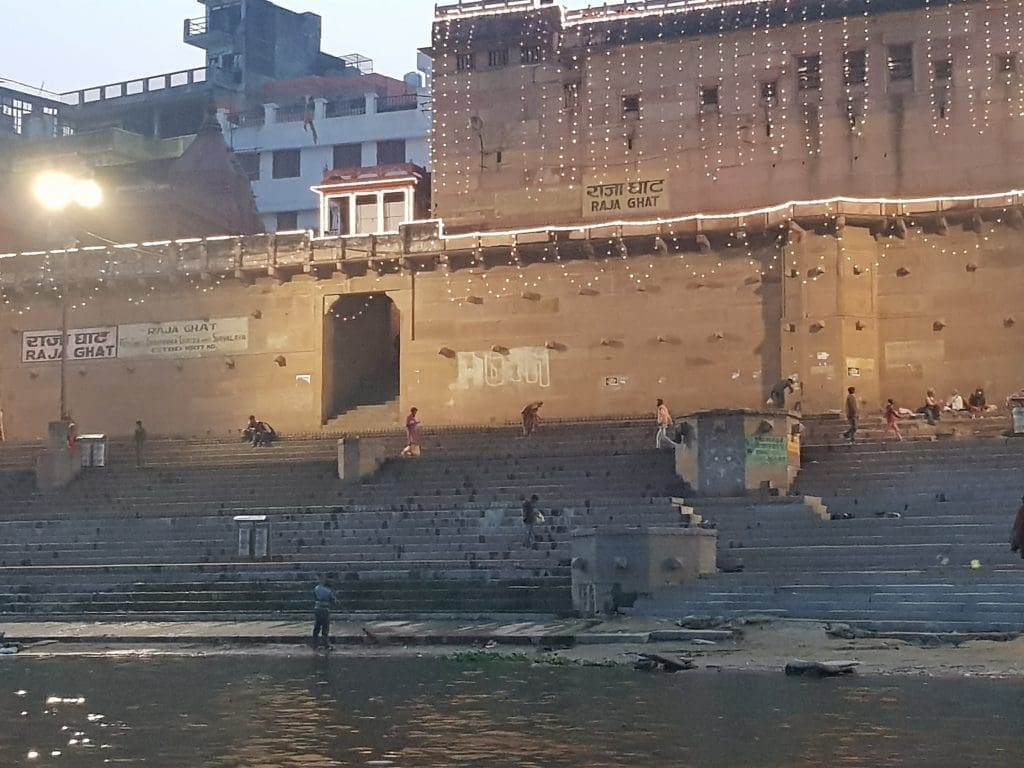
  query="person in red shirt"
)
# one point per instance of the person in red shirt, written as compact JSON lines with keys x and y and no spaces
{"x":412,"y":434}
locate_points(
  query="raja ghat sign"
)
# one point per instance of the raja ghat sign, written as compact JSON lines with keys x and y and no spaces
{"x":625,"y":197}
{"x":82,"y":344}
{"x":178,"y":338}
{"x":183,"y":338}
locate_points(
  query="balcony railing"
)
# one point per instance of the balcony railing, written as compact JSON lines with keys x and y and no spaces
{"x":165,"y":82}
{"x":195,"y":27}
{"x":397,"y":103}
{"x":346,"y":107}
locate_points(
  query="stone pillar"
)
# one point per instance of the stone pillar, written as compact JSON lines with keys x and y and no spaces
{"x":319,"y":108}
{"x":612,"y":567}
{"x":830,"y":318}
{"x":735,"y":452}
{"x":60,"y":461}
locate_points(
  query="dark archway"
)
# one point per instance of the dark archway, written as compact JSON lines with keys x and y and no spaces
{"x":362,"y":337}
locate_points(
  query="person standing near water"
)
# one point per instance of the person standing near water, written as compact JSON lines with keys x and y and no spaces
{"x":323,"y":596}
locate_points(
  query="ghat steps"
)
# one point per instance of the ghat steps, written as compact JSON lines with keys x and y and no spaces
{"x":920,"y":513}
{"x":441,"y":533}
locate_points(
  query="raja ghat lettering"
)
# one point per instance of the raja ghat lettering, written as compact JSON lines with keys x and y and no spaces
{"x":82,"y":344}
{"x":202,"y":326}
{"x":619,"y":196}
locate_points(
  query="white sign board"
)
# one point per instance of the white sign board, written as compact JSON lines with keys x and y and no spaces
{"x":184,"y":338}
{"x":83,"y":344}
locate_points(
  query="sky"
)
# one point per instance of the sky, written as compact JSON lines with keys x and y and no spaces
{"x":64,"y":45}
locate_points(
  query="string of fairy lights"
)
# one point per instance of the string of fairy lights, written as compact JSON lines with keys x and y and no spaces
{"x":761,"y":84}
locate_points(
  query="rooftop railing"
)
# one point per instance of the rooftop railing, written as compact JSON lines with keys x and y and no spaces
{"x":125,"y":88}
{"x":397,"y":103}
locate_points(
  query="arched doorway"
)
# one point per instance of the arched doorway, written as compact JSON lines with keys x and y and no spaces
{"x":362,"y":336}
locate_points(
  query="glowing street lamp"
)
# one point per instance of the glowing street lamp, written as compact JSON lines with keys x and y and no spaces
{"x":56,"y":191}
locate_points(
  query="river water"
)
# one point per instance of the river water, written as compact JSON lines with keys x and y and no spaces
{"x":256,"y":711}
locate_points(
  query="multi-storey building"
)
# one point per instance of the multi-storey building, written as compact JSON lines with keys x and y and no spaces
{"x":290,"y":110}
{"x":685,"y":200}
{"x":707,"y":106}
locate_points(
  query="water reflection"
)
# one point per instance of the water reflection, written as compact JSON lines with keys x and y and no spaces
{"x":269,"y":712}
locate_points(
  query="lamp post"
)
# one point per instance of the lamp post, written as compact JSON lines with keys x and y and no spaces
{"x":56,"y":192}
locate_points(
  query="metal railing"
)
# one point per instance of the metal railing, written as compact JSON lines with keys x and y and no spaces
{"x":196,"y":27}
{"x":399,"y":103}
{"x":474,"y":7}
{"x":164,"y":82}
{"x":346,"y":107}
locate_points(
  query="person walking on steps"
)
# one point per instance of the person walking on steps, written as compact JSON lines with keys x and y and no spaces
{"x":1017,"y":537}
{"x":412,"y":434}
{"x":323,"y":596}
{"x":664,"y":420}
{"x":851,"y":413}
{"x":531,"y":417}
{"x":892,"y":418}
{"x":139,"y":443}
{"x":777,"y":396}
{"x":531,"y":517}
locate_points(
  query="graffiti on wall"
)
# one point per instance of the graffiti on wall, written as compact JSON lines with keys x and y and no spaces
{"x":520,"y":365}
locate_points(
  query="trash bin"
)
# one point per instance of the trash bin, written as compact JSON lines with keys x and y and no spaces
{"x":93,"y":450}
{"x":1016,"y":404}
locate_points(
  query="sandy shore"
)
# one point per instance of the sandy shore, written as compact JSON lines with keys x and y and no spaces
{"x":755,"y":647}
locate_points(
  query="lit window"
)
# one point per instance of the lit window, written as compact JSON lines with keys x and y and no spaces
{"x":571,"y":95}
{"x":855,"y":68}
{"x":531,"y":54}
{"x":631,"y":106}
{"x":808,"y":73}
{"x":901,"y":62}
{"x":709,"y":96}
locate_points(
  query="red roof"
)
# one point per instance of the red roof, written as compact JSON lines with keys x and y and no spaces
{"x":373,"y":174}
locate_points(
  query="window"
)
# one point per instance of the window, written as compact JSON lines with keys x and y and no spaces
{"x":394,"y":210}
{"x":497,"y":58}
{"x":769,"y":91}
{"x":531,"y":54}
{"x":464,"y":62}
{"x":286,"y":164}
{"x":15,"y":111}
{"x":337,"y":216}
{"x":392,"y":151}
{"x":1007,"y":63}
{"x":709,"y":96}
{"x":250,"y":163}
{"x":287,"y":221}
{"x":808,"y":73}
{"x":366,"y":214}
{"x":631,"y":107}
{"x":571,"y":95}
{"x":942,"y":70}
{"x":855,"y":68}
{"x":348,"y":155}
{"x":901,"y":62}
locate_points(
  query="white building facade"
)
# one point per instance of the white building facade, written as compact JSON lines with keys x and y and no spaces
{"x":287,"y":150}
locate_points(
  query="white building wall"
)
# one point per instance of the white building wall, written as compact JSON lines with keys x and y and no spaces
{"x":275,"y":196}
